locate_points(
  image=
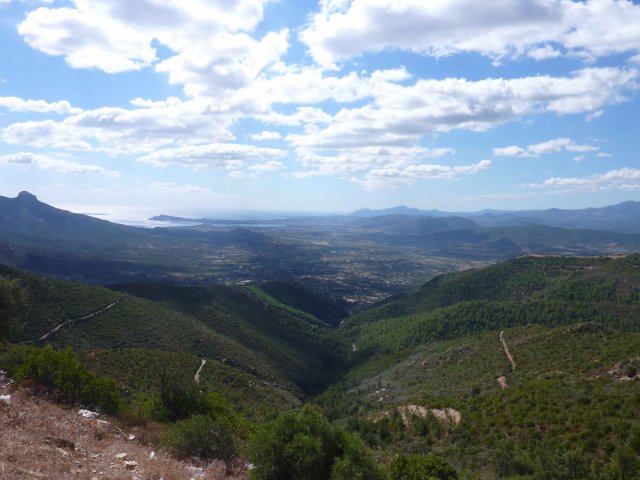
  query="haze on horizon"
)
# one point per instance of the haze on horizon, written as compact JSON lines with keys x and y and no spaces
{"x":320,"y":106}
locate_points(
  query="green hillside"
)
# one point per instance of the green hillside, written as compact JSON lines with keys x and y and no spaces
{"x":234,"y":329}
{"x":301,"y":298}
{"x":564,"y":410}
{"x":303,"y":348}
{"x":543,"y":290}
{"x":571,"y":398}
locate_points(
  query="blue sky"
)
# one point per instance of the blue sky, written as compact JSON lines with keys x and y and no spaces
{"x":177,"y":106}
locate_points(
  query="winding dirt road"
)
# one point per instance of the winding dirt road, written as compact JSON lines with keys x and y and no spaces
{"x":73,"y":320}
{"x":507,"y":352}
{"x":196,"y":378}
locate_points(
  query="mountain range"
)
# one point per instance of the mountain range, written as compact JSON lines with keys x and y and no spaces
{"x":623,"y":217}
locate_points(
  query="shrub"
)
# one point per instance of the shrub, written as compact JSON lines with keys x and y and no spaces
{"x":421,"y":467}
{"x":303,"y":445}
{"x":202,"y":436}
{"x":62,"y":375}
{"x":179,"y":396}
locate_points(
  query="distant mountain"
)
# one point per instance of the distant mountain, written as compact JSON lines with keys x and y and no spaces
{"x":399,"y":210}
{"x":26,"y":216}
{"x":623,"y":217}
{"x":414,"y":225}
{"x":40,"y":238}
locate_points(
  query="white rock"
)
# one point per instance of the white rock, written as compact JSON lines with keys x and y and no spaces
{"x":87,"y":413}
{"x":5,"y":399}
{"x":152,"y":455}
{"x":64,"y":453}
{"x":131,"y":436}
{"x":121,"y":456}
{"x":196,"y":472}
{"x":130,"y":464}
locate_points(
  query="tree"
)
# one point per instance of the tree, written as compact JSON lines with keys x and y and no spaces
{"x":304,"y":445}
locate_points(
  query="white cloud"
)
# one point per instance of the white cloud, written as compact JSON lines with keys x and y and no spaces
{"x":620,"y":179}
{"x":400,"y":115}
{"x":120,"y":131}
{"x":511,"y":151}
{"x":217,"y":156}
{"x":15,"y":104}
{"x":543,"y":148}
{"x":183,"y":189}
{"x":266,"y":135}
{"x":45,"y":162}
{"x":87,"y":41}
{"x":225,"y":64}
{"x":342,"y":30}
{"x":543,"y":53}
{"x":396,"y":177}
{"x":212,"y":49}
{"x":266,"y":167}
{"x":603,"y":155}
{"x":364,"y":159}
{"x":559,"y":144}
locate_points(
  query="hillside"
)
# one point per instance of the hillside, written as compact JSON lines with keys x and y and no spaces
{"x":547,"y":290}
{"x":264,"y":354}
{"x":569,"y":402}
{"x":527,"y":367}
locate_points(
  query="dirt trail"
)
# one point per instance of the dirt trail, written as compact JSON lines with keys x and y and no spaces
{"x":502,"y":381}
{"x":72,"y":320}
{"x":196,"y":378}
{"x":507,"y":352}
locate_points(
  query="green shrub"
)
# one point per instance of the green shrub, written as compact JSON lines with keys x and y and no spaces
{"x":421,"y":467}
{"x":303,"y":445}
{"x":179,"y":396}
{"x":204,"y":437}
{"x":62,"y":375}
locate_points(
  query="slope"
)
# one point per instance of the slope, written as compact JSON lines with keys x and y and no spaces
{"x":296,"y":343}
{"x":569,"y":404}
{"x":547,"y":290}
{"x":238,"y":333}
{"x":528,"y":367}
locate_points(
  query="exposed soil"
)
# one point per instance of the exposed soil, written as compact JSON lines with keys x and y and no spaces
{"x":507,"y":352}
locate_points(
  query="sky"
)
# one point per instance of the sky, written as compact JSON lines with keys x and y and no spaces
{"x":174,"y":106}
